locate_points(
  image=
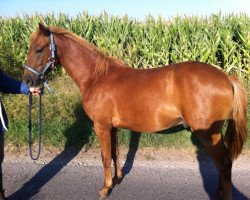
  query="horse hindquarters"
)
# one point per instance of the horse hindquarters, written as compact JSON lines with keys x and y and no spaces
{"x":208,"y":130}
{"x":209,"y":134}
{"x":211,"y":138}
{"x":213,"y":144}
{"x":209,"y":99}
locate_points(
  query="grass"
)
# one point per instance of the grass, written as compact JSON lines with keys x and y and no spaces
{"x":65,"y":123}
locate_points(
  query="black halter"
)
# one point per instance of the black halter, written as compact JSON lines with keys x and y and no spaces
{"x":50,"y":64}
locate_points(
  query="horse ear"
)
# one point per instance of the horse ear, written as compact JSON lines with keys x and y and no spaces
{"x":44,"y":29}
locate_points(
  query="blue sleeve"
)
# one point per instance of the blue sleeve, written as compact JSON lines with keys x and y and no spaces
{"x":10,"y":85}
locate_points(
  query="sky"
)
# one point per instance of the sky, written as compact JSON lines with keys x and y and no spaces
{"x":137,"y":9}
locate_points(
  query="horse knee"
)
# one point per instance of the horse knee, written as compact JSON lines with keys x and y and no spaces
{"x":106,"y":162}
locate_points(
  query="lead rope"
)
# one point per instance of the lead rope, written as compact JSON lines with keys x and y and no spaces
{"x":30,"y":127}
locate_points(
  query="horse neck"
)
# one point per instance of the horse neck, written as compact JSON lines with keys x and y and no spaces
{"x":78,"y":60}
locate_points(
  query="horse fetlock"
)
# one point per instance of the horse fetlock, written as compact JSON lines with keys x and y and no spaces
{"x":108,"y":184}
{"x":117,"y":178}
{"x":104,"y":192}
{"x":117,"y":181}
{"x":119,"y":174}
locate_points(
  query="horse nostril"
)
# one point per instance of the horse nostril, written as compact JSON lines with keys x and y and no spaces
{"x":29,"y":81}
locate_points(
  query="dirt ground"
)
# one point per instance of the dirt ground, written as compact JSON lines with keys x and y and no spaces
{"x":141,"y":156}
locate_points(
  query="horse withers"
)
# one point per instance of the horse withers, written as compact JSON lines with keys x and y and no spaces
{"x":147,"y":100}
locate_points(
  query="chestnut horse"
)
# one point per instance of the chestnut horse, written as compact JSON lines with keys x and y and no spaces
{"x":146,"y":100}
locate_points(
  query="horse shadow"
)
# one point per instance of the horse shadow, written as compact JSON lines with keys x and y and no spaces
{"x":133,"y":147}
{"x":78,"y":135}
{"x":207,"y":168}
{"x":209,"y":173}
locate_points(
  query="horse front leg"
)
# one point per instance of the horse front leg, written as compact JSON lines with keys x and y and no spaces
{"x":104,"y":137}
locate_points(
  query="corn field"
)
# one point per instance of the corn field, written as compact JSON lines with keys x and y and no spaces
{"x":223,"y":41}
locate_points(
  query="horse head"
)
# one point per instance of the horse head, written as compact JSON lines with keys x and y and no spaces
{"x":41,"y":56}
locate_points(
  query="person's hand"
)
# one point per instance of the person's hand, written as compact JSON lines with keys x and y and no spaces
{"x":35,"y":90}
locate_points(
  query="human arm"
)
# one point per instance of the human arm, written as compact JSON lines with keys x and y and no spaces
{"x":10,"y":85}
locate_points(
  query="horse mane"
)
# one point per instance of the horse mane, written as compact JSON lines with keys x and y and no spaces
{"x":103,"y":62}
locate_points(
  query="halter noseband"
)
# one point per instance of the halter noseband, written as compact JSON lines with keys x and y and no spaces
{"x":49,"y":64}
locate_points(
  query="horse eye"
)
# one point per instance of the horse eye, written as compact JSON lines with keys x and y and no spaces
{"x":39,"y":50}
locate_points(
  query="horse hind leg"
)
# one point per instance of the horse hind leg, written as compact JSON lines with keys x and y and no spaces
{"x":212,"y":141}
{"x":115,"y":156}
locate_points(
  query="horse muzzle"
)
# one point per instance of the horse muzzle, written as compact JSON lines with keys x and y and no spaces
{"x":31,"y":80}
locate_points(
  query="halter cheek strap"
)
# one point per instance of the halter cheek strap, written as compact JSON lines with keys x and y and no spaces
{"x":52,"y":46}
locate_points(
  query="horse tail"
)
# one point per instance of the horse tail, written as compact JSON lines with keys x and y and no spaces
{"x":236,"y":133}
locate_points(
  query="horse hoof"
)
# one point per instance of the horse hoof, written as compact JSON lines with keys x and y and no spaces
{"x":117,"y":181}
{"x":104,"y":193}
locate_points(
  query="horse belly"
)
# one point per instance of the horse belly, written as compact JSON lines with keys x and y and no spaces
{"x":148,"y":119}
